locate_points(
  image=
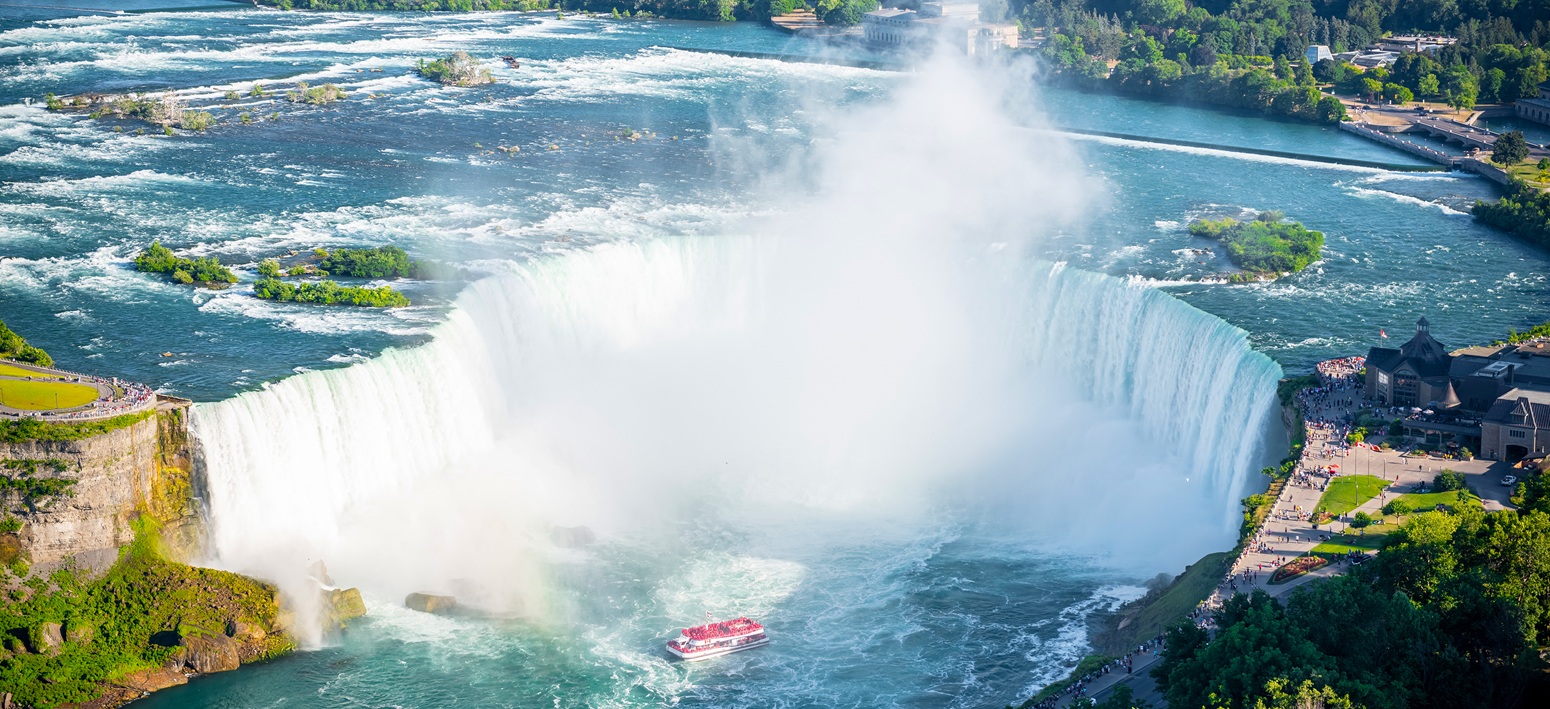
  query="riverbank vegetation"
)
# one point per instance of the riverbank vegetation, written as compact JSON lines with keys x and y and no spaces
{"x":30,"y":429}
{"x":1268,"y":246}
{"x":205,"y":271}
{"x":1249,"y":55}
{"x":1450,"y":614}
{"x":315,"y":95}
{"x":14,"y":346}
{"x":70,"y":638}
{"x":458,"y":69}
{"x":329,"y":293}
{"x":1523,"y":211}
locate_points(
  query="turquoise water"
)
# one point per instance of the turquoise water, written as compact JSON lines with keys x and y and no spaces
{"x":949,"y":609}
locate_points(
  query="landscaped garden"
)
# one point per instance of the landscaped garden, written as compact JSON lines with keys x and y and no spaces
{"x":1297,"y":567}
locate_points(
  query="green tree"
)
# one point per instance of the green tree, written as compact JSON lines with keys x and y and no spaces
{"x":1428,"y":86}
{"x":1331,"y":110}
{"x":1158,"y":12}
{"x":1510,"y":148}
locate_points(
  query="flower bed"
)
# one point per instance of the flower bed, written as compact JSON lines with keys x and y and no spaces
{"x":1297,"y":567}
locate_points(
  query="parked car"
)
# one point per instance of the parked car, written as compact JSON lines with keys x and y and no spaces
{"x":1509,"y":480}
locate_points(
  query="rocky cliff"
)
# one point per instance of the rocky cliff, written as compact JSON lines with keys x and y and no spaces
{"x":75,"y":497}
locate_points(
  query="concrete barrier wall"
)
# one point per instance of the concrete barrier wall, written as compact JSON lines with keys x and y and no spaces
{"x":1421,"y":151}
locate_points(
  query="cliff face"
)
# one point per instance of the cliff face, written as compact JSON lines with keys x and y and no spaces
{"x":80,"y":496}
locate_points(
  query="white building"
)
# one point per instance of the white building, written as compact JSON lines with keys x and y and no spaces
{"x":958,"y":23}
{"x":889,"y":26}
{"x":1317,"y":52}
{"x":1538,"y":108}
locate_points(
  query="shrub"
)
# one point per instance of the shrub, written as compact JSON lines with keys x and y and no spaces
{"x":14,"y":346}
{"x":1265,"y":246}
{"x":195,"y":120}
{"x":380,"y":262}
{"x":232,"y":96}
{"x":10,"y":525}
{"x":315,"y":95}
{"x":1448,"y":480}
{"x":329,"y":293}
{"x":269,"y":268}
{"x":1361,"y":519}
{"x":257,"y":91}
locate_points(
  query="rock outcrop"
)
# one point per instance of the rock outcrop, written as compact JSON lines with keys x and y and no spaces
{"x":206,"y":653}
{"x":427,"y":603}
{"x":341,"y":606}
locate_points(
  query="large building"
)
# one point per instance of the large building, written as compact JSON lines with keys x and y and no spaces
{"x":957,"y":23}
{"x":1536,"y":108}
{"x":1517,"y":426}
{"x":1493,"y":399}
{"x":1416,"y":374}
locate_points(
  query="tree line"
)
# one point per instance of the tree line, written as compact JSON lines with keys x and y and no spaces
{"x":1241,"y":54}
{"x":14,"y":346}
{"x":1451,"y":614}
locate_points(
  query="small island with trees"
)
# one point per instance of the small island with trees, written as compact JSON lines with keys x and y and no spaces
{"x":365,"y":263}
{"x":459,"y":69}
{"x":205,"y":271}
{"x":1266,"y":248}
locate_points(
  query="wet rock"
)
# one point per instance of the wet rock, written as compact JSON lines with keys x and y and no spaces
{"x":244,"y":632}
{"x":427,"y":603}
{"x":319,"y":571}
{"x":341,"y":605}
{"x":572,"y":537}
{"x":152,"y":680}
{"x":208,"y":653}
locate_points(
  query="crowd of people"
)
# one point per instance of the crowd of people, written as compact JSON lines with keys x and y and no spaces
{"x":133,"y":397}
{"x":1077,"y":689}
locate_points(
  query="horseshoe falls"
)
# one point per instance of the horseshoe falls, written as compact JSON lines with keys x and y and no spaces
{"x":884,"y":360}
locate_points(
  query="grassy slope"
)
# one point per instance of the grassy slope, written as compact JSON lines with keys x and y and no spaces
{"x":140,"y":597}
{"x":1349,"y":492}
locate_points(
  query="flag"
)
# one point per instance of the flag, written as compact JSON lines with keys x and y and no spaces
{"x":1382,"y":334}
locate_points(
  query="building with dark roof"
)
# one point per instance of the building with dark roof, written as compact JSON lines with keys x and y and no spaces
{"x":1517,"y":426}
{"x":1416,"y":374}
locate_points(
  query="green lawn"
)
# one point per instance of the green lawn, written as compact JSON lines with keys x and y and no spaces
{"x":1529,"y":172}
{"x":37,"y":396}
{"x":1348,"y":543}
{"x":1349,"y":492}
{"x":1421,"y":502}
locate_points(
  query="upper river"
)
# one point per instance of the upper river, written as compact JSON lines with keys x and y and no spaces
{"x":945,"y":608}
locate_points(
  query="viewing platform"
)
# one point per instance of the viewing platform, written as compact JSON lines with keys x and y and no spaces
{"x":61,"y":396}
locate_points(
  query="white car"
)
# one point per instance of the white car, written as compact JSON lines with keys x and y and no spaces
{"x":1509,"y":480}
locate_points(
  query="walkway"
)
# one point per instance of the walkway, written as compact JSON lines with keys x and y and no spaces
{"x":114,"y":396}
{"x":1287,"y":532}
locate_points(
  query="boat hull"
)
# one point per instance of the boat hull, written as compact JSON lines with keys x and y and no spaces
{"x":708,"y":653}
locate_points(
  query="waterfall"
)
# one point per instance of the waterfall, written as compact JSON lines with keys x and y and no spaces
{"x":588,"y":387}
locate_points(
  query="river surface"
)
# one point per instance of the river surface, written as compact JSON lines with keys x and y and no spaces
{"x":946,"y":608}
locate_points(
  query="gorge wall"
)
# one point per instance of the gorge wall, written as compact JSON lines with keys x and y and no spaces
{"x":81,"y":496}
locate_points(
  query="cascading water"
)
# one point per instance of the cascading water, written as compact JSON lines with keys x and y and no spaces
{"x":503,"y":396}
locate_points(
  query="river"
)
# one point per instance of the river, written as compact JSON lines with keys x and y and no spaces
{"x":886,"y":359}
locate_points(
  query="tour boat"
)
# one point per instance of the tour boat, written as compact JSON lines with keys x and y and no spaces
{"x":719,"y":638}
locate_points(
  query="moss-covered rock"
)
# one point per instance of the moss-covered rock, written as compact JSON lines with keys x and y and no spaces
{"x":110,"y":639}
